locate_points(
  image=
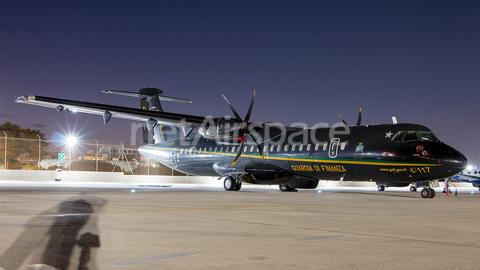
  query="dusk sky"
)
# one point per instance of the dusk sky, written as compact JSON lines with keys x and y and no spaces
{"x":306,"y":60}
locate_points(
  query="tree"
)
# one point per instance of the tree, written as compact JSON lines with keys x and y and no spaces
{"x":20,"y":142}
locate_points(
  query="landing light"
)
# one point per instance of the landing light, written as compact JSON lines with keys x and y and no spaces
{"x":133,"y":191}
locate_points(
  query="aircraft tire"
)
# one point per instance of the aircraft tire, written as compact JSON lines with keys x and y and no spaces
{"x":381,"y":188}
{"x":432,"y":193}
{"x":238,"y":186}
{"x":426,"y":193}
{"x":229,"y":183}
{"x":285,"y":188}
{"x":413,"y":189}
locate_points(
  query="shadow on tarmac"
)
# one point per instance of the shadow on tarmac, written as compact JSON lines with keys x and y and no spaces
{"x":62,"y":237}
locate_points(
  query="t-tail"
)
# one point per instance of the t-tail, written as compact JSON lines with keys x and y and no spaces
{"x":150,"y":100}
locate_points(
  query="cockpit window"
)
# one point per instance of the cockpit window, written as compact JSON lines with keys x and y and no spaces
{"x":427,"y":136}
{"x":410,"y":136}
{"x":398,"y":136}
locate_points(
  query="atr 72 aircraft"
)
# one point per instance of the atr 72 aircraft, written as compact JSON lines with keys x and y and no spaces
{"x":268,"y":153}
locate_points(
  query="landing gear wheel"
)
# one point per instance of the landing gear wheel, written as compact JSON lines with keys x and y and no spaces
{"x":426,"y":193}
{"x":413,"y":189}
{"x":381,"y":188}
{"x":238,"y":186}
{"x":286,"y":188}
{"x":229,"y":183}
{"x":432,"y":193}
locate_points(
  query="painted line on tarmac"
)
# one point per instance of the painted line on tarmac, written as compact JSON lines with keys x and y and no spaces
{"x":151,"y":259}
{"x":155,"y":185}
{"x":321,"y":237}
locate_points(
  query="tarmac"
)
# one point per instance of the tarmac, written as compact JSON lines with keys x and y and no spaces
{"x":59,"y":225}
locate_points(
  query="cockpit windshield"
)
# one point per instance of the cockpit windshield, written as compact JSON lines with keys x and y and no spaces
{"x":427,"y":136}
{"x":413,"y":136}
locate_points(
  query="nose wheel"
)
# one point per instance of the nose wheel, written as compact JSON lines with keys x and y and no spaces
{"x":428,"y":193}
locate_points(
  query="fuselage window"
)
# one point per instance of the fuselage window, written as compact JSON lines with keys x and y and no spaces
{"x":245,"y":149}
{"x":226,"y":150}
{"x":199,"y":150}
{"x":210,"y":150}
{"x":252,"y":149}
{"x":233,"y":148}
{"x":285,"y":149}
{"x":398,"y":136}
{"x":325,"y":145}
{"x":317,"y":146}
{"x":293,"y":147}
{"x":309,"y":147}
{"x":279,"y":148}
{"x":265,"y":149}
{"x":410,"y":136}
{"x":215,"y":150}
{"x":221,"y":149}
{"x":342,"y":146}
{"x":272,"y":148}
{"x":300,"y":148}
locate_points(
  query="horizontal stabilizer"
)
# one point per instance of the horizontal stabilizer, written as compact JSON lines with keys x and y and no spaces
{"x":143,"y":95}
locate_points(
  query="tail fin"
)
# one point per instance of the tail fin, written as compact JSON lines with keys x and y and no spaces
{"x":150,"y":100}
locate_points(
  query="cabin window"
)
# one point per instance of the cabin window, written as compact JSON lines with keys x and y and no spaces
{"x":221,"y":149}
{"x":233,"y":148}
{"x":265,"y":149}
{"x":252,"y":149}
{"x":245,"y":149}
{"x":300,"y":148}
{"x":317,"y":146}
{"x":226,"y":150}
{"x":293,"y":147}
{"x":215,"y":150}
{"x":398,"y":136}
{"x":342,"y":146}
{"x":272,"y":148}
{"x":325,"y":145}
{"x":200,"y":150}
{"x":309,"y":147}
{"x":279,"y":148}
{"x":210,"y":150}
{"x":410,"y":136}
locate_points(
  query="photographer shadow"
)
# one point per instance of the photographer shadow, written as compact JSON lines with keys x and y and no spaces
{"x":57,"y":239}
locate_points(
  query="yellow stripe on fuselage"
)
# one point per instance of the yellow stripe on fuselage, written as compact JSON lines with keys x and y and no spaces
{"x":306,"y":159}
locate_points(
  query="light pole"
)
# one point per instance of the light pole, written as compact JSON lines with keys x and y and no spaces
{"x":5,"y":161}
{"x":96,"y":166}
{"x":39,"y":149}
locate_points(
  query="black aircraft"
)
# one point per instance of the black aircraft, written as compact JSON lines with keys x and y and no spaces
{"x":271,"y":154}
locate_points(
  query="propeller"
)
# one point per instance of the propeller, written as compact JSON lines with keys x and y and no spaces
{"x":359,"y":121}
{"x":243,"y":131}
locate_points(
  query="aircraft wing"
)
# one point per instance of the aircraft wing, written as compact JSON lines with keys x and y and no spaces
{"x":108,"y":111}
{"x":466,"y":178}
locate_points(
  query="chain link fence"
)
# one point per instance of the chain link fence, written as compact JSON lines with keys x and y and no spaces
{"x":17,"y":153}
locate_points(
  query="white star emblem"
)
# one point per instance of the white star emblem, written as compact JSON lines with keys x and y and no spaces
{"x":388,"y":135}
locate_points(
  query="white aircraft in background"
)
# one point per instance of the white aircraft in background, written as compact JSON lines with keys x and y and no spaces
{"x":471,"y":175}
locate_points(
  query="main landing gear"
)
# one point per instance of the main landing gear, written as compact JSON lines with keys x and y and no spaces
{"x":286,"y":188}
{"x":232,"y":184}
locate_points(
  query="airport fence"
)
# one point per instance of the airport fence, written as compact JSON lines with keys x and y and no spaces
{"x":17,"y":153}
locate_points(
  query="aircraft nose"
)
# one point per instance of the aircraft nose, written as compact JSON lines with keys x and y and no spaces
{"x":455,"y":161}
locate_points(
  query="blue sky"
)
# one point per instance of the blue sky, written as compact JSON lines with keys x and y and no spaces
{"x":306,"y":60}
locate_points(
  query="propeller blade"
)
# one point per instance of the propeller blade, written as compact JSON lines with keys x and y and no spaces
{"x":247,"y":118}
{"x":258,"y":145}
{"x":343,"y":120}
{"x":359,"y":121}
{"x":233,"y":110}
{"x":239,"y":153}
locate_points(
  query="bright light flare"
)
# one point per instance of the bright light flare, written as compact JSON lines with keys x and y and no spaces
{"x":71,"y":140}
{"x":469,"y":167}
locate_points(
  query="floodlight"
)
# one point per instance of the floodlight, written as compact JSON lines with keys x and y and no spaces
{"x":71,"y":140}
